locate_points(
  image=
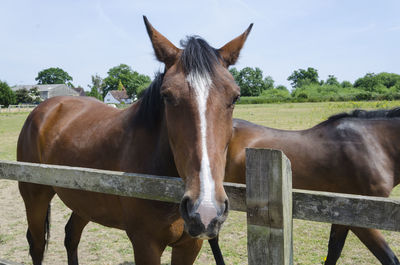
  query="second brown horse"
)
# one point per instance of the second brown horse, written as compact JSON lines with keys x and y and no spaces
{"x":356,"y":153}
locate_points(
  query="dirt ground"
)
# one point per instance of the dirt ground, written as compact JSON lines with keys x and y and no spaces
{"x":99,"y":244}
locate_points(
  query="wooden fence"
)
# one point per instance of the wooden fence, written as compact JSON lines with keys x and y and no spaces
{"x":268,"y":200}
{"x":17,"y":108}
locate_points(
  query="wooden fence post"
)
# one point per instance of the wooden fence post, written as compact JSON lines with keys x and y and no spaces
{"x":269,"y":207}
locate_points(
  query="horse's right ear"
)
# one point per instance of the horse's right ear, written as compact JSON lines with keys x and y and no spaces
{"x":230,"y":51}
{"x":165,"y":51}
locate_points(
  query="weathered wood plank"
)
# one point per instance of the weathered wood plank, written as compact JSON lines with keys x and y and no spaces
{"x":143,"y":186}
{"x":354,"y":210}
{"x":237,"y":196}
{"x":269,"y":207}
{"x":347,"y":209}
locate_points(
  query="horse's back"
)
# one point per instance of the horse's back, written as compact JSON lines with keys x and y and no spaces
{"x":344,"y":155}
{"x":58,"y":121}
{"x":372,"y":147}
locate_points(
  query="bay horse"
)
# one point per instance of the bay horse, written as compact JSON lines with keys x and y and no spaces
{"x":355,"y":153}
{"x":181,"y":127}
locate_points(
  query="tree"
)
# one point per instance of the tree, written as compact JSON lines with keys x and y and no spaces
{"x":377,"y":82}
{"x":34,"y":95}
{"x":31,"y":96}
{"x":345,"y":84}
{"x":303,"y":77}
{"x":388,"y":79}
{"x":97,"y":84}
{"x":22,"y":96}
{"x":268,"y":82}
{"x":54,"y":75}
{"x":96,"y":88}
{"x":250,"y":81}
{"x":94,"y":93}
{"x":130,"y":79}
{"x":332,"y":80}
{"x":120,"y":86}
{"x":367,"y":83}
{"x":282,"y":87}
{"x":7,"y":96}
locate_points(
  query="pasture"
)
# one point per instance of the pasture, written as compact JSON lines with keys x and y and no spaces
{"x":102,"y":245}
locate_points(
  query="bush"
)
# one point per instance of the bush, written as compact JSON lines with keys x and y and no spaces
{"x":7,"y":96}
{"x":277,"y":94}
{"x":363,"y":96}
{"x":382,"y":86}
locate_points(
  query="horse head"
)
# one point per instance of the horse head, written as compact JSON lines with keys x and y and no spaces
{"x":199,"y":95}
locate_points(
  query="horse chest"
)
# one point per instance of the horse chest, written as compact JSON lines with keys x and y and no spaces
{"x":100,"y":208}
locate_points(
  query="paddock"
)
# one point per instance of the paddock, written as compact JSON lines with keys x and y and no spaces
{"x":100,"y":244}
{"x":267,"y":199}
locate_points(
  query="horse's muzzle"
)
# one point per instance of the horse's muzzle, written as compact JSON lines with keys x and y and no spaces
{"x":203,"y":221}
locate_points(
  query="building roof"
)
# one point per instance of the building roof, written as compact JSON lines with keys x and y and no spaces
{"x":80,"y":90}
{"x":40,"y":87}
{"x":50,"y":90}
{"x":119,"y":95}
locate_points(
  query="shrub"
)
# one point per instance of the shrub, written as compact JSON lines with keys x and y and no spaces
{"x":7,"y":96}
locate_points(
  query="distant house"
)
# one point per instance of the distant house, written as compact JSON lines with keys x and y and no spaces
{"x":49,"y":91}
{"x":117,"y":97}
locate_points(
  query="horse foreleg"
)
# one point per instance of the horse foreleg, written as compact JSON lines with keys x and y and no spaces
{"x":185,"y":250}
{"x":147,"y":249}
{"x":376,"y":243}
{"x":336,"y":242}
{"x":37,"y":202}
{"x":73,"y":232}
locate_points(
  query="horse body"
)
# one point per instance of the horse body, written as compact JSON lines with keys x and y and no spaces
{"x":326,"y":157}
{"x":82,"y":127}
{"x":171,"y":131}
{"x":345,"y":154}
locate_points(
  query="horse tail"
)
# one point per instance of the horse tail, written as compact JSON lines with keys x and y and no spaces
{"x":47,"y":225}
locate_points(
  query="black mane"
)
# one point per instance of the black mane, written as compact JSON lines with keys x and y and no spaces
{"x":197,"y":56}
{"x":151,"y":104}
{"x":364,"y":114}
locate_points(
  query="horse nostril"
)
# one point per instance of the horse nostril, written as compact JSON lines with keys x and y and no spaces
{"x":226,"y":204}
{"x":184,"y":207}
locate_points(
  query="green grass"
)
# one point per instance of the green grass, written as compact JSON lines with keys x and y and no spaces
{"x":102,"y":245}
{"x":10,"y":126}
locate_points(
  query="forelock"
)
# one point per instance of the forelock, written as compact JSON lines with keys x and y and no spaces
{"x":198,"y":56}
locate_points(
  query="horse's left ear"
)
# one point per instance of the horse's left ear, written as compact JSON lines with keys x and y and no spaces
{"x":230,"y":51}
{"x":165,"y":51}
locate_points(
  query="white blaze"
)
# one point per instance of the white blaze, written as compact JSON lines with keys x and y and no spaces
{"x":206,"y":209}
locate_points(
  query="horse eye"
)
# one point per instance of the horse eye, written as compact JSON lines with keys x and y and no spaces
{"x":235,"y":99}
{"x":166,"y":97}
{"x":169,"y":98}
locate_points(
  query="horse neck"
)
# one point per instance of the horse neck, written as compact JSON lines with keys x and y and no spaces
{"x":147,"y":149}
{"x":280,"y":139}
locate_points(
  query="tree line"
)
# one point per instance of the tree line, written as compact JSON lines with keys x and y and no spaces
{"x":118,"y":78}
{"x":307,"y":87}
{"x":255,"y":87}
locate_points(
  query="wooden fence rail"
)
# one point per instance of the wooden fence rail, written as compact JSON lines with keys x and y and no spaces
{"x":17,"y":108}
{"x":270,"y":207}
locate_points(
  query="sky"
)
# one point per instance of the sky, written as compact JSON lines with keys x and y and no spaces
{"x":345,"y":38}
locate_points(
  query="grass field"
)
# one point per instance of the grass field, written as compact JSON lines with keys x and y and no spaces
{"x":102,"y":245}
